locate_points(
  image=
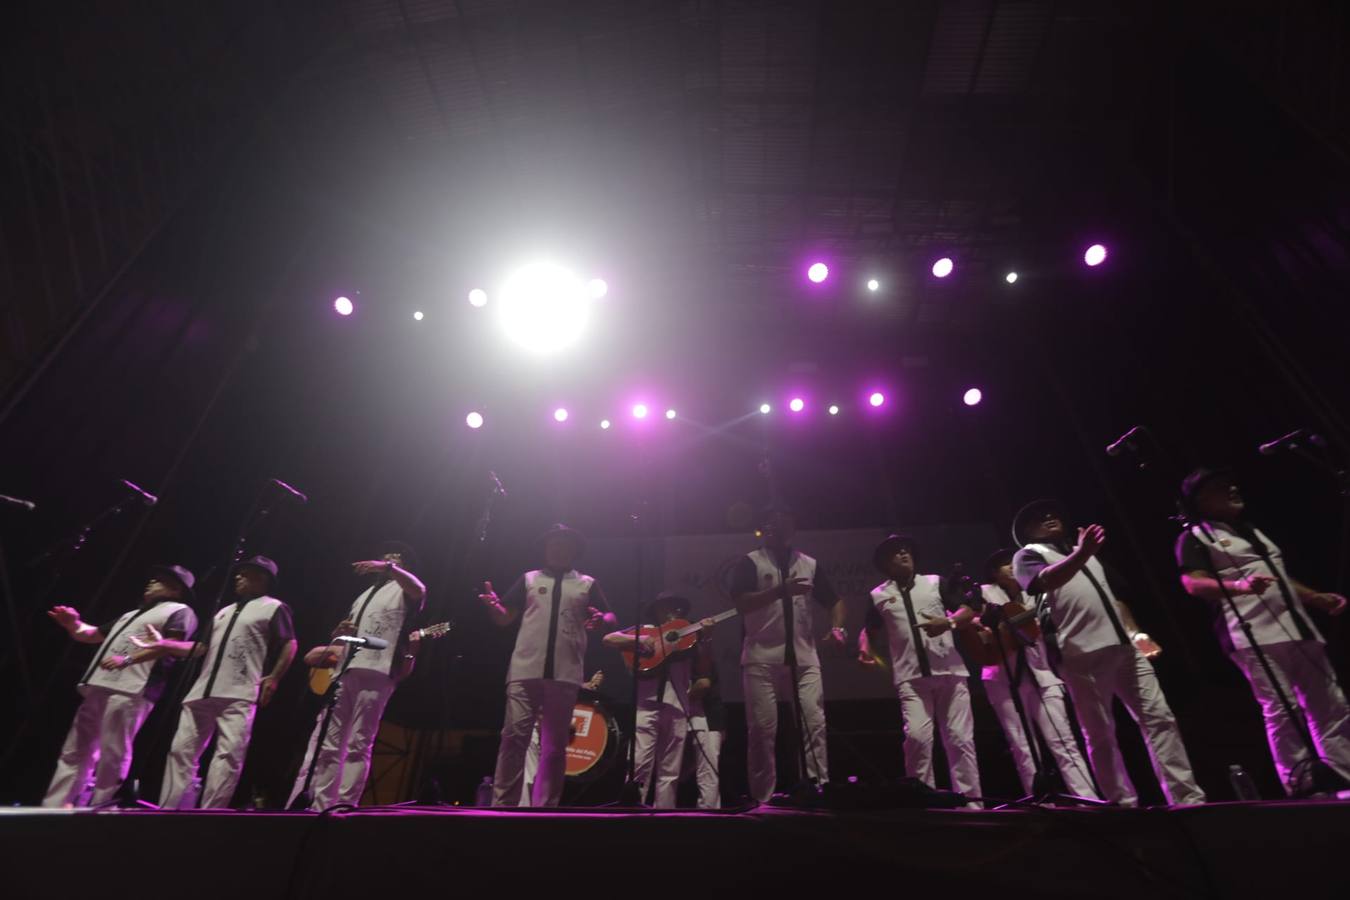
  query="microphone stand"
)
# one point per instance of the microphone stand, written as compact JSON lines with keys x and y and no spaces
{"x":305,"y":798}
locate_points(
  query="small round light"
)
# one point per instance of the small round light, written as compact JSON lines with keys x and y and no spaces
{"x":560,"y":415}
{"x":765,"y":409}
{"x":877,"y":398}
{"x":834,"y":409}
{"x":1011,"y":278}
{"x":417,"y":316}
{"x":604,"y":424}
{"x":1095,"y":255}
{"x":640,"y":411}
{"x":478,"y":297}
{"x":818,"y":272}
{"x":474,"y":420}
{"x":797,"y":404}
{"x":343,"y":305}
{"x":943,"y":267}
{"x":873,"y":285}
{"x":670,"y":414}
{"x":972,"y":397}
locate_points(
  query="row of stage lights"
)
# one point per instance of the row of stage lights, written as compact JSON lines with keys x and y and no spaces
{"x":542,"y":296}
{"x":797,"y":405}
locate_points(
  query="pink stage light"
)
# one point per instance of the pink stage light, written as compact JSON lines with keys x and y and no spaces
{"x":639,"y":410}
{"x":943,"y":267}
{"x":973,"y":397}
{"x":834,"y":409}
{"x":877,"y":398}
{"x":474,"y":420}
{"x":670,"y":414}
{"x":343,"y":306}
{"x":818,"y":272}
{"x":797,"y":404}
{"x":560,"y":415}
{"x":1095,"y":255}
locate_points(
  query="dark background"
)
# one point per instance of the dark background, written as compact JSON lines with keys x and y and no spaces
{"x":186,"y":188}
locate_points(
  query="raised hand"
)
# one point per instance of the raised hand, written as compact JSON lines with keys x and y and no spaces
{"x":1090,"y":539}
{"x":151,"y":639}
{"x":488,"y":597}
{"x":65,"y":616}
{"x":370,"y":566}
{"x":594,"y":618}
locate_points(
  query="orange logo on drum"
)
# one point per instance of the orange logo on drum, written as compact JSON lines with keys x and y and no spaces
{"x":581,"y":722}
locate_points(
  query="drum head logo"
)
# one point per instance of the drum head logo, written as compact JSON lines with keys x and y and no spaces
{"x":590,"y":737}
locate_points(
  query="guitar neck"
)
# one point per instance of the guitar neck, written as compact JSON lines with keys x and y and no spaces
{"x":698,"y":626}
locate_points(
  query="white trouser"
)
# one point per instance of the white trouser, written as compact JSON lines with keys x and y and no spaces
{"x":551,"y":703}
{"x":99,"y":742}
{"x":1094,"y":679}
{"x":945,"y":698}
{"x":1305,"y":675}
{"x":232,"y":723}
{"x":344,"y":762}
{"x":531,"y":767}
{"x":1046,"y":711}
{"x":661,"y":734}
{"x":707,"y":762}
{"x":765,"y":684}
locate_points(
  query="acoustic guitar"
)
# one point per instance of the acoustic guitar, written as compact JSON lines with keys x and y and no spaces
{"x":1017,"y":627}
{"x":321,"y":677}
{"x":675,"y":636}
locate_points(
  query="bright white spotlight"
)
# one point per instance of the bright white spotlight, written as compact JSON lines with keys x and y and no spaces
{"x":560,"y":415}
{"x":1011,"y":278}
{"x":670,"y":414}
{"x":544,"y":307}
{"x":639,"y":410}
{"x":597,"y":288}
{"x":943,"y":267}
{"x":604,"y":424}
{"x":973,"y":397}
{"x":873,"y":285}
{"x":818,"y":272}
{"x":834,"y":409}
{"x":1095,"y":255}
{"x":797,"y":404}
{"x":478,"y":297}
{"x":343,"y":305}
{"x":765,"y":408}
{"x":417,"y":316}
{"x":474,"y":420}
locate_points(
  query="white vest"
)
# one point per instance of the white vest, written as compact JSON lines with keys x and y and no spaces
{"x":1235,"y":557}
{"x":233,"y":666}
{"x":383,"y":618}
{"x":926,"y":598}
{"x":132,"y":679}
{"x":1076,"y":609}
{"x":1037,"y":663}
{"x":531,"y":657}
{"x":765,"y":634}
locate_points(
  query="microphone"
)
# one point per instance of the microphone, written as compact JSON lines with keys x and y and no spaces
{"x":1120,"y":443}
{"x":16,"y":501}
{"x":497,"y":484}
{"x":363,"y":640}
{"x":290,"y":492}
{"x":1291,"y":441}
{"x":149,"y":498}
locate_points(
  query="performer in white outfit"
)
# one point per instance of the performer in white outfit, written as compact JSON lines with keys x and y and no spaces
{"x":556,"y":606}
{"x":770,"y":587}
{"x":368,"y":679}
{"x":664,"y":706}
{"x":251,"y":646}
{"x":1222,"y":544}
{"x":1104,"y":655}
{"x":532,"y":754}
{"x":907,"y":612}
{"x":1038,"y":687}
{"x":120,"y":686}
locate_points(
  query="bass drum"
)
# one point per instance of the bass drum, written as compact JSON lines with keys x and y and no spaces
{"x":594,"y":743}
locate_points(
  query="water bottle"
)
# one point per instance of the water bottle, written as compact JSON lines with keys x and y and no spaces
{"x":1243,"y":786}
{"x":483,"y":795}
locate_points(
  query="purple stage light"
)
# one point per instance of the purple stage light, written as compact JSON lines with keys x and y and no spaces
{"x":834,"y":409}
{"x":818,"y":272}
{"x":474,"y":420}
{"x":1095,"y":255}
{"x":797,"y":404}
{"x":972,"y":397}
{"x":670,"y":414}
{"x":604,"y":424}
{"x":560,"y":415}
{"x":639,"y":410}
{"x":343,"y":306}
{"x":943,"y":267}
{"x":478,"y":297}
{"x":877,"y":398}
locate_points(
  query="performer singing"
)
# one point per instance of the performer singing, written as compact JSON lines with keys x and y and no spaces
{"x":1103,"y":653}
{"x":1222,"y":544}
{"x":1039,"y":688}
{"x":556,"y":606}
{"x":381,"y":611}
{"x":250,"y":637}
{"x":929,"y":674}
{"x":664,"y":706}
{"x":770,"y":586}
{"x":707,"y":728}
{"x":120,"y":686}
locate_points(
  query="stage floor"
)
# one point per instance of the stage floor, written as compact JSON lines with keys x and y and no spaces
{"x":1280,"y":850}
